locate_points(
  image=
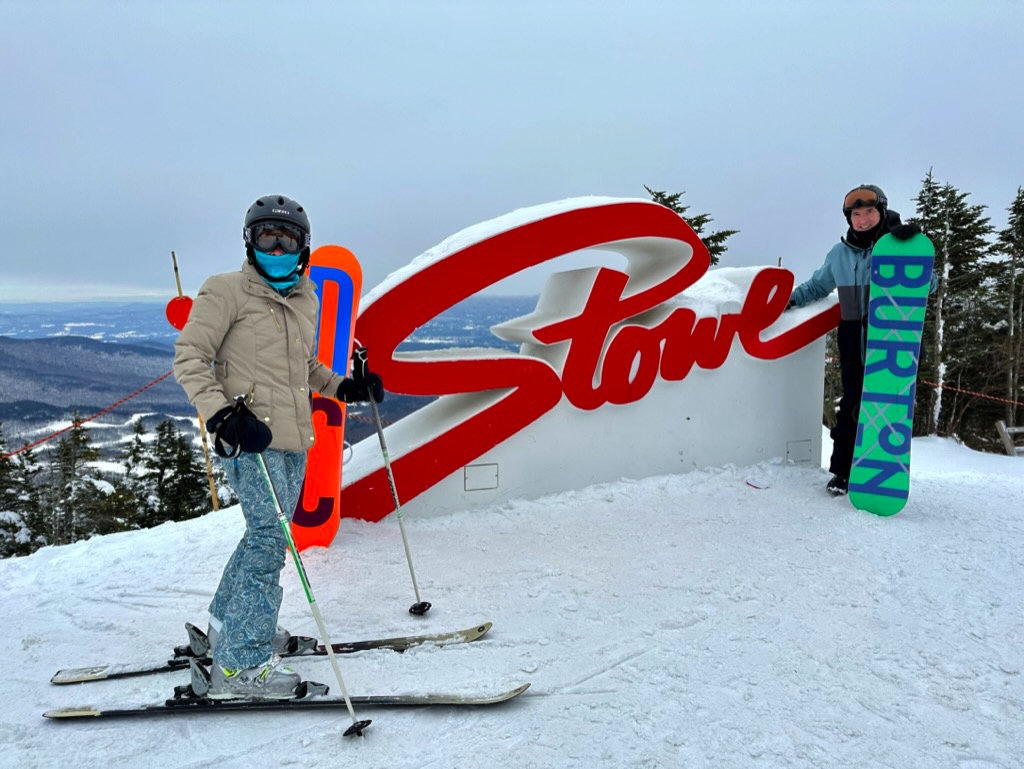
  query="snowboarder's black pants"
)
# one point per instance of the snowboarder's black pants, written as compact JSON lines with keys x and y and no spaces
{"x":851,"y":368}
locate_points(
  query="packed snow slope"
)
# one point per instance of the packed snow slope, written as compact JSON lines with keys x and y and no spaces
{"x":686,"y":620}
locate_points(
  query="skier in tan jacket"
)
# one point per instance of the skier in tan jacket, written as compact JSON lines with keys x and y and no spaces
{"x":247,"y":361}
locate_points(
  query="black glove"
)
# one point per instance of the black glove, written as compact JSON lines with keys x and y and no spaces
{"x":905,"y":231}
{"x":791,"y":304}
{"x":237,"y":429}
{"x":363,"y":385}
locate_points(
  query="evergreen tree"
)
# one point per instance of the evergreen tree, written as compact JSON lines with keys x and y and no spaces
{"x":931,"y":217}
{"x":956,"y":348}
{"x":75,"y":491}
{"x":91,"y":502}
{"x":1009,"y":281}
{"x":136,"y":502}
{"x":13,"y":532}
{"x":109,"y":507}
{"x":158,"y":463}
{"x":8,"y":496}
{"x":714,"y":241}
{"x":177,"y":481}
{"x":188,"y":493}
{"x":135,"y":455}
{"x":34,"y":517}
{"x":970,"y":359}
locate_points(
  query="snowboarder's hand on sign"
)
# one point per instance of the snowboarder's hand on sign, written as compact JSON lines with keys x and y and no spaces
{"x":905,"y":231}
{"x":237,"y":429}
{"x":363,"y":385}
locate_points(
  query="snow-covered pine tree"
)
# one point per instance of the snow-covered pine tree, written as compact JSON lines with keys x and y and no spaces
{"x":132,"y":488}
{"x":28,"y":505}
{"x":176,"y":482}
{"x":188,"y":489}
{"x":69,"y":488}
{"x":12,"y":526}
{"x":158,"y":463}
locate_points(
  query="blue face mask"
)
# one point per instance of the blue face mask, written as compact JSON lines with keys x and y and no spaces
{"x":282,"y":269}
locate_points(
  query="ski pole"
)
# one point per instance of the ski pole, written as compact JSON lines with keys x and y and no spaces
{"x":357,"y":726}
{"x":420,"y":607}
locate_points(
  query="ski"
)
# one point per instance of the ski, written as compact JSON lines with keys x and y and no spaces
{"x":303,"y":648}
{"x":204,"y":706}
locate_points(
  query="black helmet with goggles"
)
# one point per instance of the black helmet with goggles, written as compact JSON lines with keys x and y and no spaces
{"x":863,"y":196}
{"x":279,"y":210}
{"x":277,"y":222}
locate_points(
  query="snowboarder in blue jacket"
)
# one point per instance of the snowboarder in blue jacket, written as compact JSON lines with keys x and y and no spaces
{"x":847,"y":268}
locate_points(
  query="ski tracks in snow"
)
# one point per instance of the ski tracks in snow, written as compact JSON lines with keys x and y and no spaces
{"x":685,"y":620}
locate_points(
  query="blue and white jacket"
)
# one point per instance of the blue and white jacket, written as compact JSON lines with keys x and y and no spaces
{"x":847,"y":268}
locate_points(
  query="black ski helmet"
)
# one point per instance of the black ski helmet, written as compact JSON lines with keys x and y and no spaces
{"x":276,"y":208}
{"x":865,"y":195}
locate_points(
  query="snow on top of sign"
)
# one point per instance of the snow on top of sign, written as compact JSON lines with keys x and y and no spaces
{"x":484,"y":230}
{"x":724,"y":289}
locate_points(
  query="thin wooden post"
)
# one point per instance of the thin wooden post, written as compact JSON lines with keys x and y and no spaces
{"x":202,"y":424}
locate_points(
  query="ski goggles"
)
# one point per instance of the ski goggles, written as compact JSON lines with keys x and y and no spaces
{"x":859,"y":198}
{"x":270,"y":236}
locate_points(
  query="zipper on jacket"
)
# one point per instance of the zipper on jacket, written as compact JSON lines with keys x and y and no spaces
{"x":276,"y":321}
{"x":862,"y":292}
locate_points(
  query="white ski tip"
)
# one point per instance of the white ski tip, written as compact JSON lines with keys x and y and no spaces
{"x":71,"y":712}
{"x":78,"y":675}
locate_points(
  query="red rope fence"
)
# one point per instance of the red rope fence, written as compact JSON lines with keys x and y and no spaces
{"x":971,"y":392}
{"x":80,"y":422}
{"x":113,"y":406}
{"x":110,"y":408}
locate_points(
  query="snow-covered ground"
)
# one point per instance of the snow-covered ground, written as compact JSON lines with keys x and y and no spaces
{"x":686,"y":620}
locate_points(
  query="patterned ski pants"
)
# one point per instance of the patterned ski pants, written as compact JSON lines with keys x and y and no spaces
{"x":249,"y":596}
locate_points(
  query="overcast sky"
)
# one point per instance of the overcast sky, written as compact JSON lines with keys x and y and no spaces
{"x":130,"y":129}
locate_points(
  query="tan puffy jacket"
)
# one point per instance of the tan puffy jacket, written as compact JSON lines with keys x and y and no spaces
{"x":243,"y":338}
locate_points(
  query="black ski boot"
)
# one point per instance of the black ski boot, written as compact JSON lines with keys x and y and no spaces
{"x":838,"y":486}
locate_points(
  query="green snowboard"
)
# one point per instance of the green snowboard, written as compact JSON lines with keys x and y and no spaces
{"x":901,"y":272}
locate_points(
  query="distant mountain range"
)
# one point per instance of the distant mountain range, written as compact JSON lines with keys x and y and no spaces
{"x":119,"y":322}
{"x":46,"y":379}
{"x":56,"y":358}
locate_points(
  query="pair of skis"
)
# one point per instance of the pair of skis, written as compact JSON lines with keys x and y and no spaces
{"x":310,"y":696}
